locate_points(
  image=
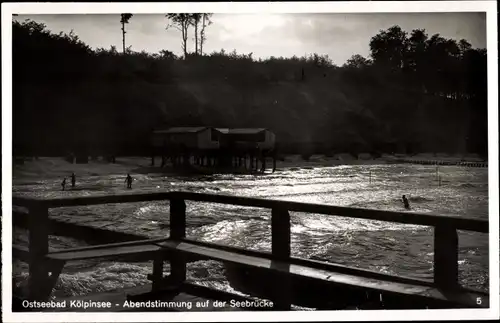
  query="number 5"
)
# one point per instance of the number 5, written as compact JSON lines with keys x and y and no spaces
{"x":479,"y":301}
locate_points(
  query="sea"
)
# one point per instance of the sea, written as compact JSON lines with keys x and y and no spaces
{"x":405,"y":250}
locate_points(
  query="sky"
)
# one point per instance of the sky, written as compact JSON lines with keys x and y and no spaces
{"x":337,"y":35}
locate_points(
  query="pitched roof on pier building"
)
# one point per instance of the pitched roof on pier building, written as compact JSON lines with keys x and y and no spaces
{"x":214,"y":138}
{"x":180,"y":130}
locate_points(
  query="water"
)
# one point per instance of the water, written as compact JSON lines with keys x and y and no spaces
{"x":405,"y":250}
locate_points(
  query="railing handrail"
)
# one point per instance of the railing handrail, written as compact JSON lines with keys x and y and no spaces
{"x":426,"y":219}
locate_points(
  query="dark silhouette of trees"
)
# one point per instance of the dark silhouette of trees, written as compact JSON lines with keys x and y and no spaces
{"x":199,"y":22}
{"x":414,"y":93}
{"x":125,"y":18}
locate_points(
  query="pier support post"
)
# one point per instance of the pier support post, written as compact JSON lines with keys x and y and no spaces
{"x":177,"y":232}
{"x":280,"y":228}
{"x":446,"y":257}
{"x":38,"y":282}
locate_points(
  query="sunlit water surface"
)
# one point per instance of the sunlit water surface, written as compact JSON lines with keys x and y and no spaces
{"x":405,"y":250}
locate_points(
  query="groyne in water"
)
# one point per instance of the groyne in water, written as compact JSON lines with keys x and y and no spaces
{"x":443,"y":162}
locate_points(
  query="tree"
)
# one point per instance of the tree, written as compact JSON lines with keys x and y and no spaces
{"x":205,"y":21}
{"x":389,"y":48}
{"x":125,"y":18}
{"x":464,"y":46}
{"x":416,"y":58}
{"x":195,"y":21}
{"x":166,"y":54}
{"x":181,"y":21}
{"x":357,"y":61}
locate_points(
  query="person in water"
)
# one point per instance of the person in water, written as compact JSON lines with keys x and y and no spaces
{"x":73,"y":180}
{"x":129,"y":181}
{"x":405,"y":202}
{"x":63,"y":184}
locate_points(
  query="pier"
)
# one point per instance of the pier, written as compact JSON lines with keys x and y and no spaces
{"x":208,"y":149}
{"x":279,"y":277}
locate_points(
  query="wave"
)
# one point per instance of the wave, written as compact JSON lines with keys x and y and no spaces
{"x":466,"y":185}
{"x":418,"y":199}
{"x":395,"y":204}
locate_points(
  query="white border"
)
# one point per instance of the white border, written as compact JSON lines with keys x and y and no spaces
{"x":236,"y":7}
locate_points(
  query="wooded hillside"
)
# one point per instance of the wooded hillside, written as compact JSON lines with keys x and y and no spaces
{"x":416,"y":93}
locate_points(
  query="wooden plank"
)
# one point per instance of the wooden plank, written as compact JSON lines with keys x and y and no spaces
{"x":27,"y":202}
{"x":111,"y":245}
{"x":458,"y":222}
{"x":428,"y":219}
{"x":446,"y":257}
{"x":85,"y":233}
{"x":314,"y":264}
{"x":327,"y":277}
{"x":90,"y":200}
{"x":325,"y":265}
{"x":104,"y":252}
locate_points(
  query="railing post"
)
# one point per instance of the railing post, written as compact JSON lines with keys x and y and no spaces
{"x":157,"y":276}
{"x":177,"y":232}
{"x":280,"y":228}
{"x":446,"y":257}
{"x":38,"y":219}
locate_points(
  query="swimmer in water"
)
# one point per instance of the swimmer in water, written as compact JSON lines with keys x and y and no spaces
{"x":129,"y":180}
{"x":406,"y":203}
{"x":73,"y":180}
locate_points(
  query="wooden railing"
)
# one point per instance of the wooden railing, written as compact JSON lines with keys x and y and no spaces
{"x":39,"y":258}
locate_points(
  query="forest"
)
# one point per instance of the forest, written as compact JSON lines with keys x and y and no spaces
{"x":414,"y":93}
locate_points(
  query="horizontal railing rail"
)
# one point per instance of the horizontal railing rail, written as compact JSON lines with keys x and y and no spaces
{"x":425,"y":219}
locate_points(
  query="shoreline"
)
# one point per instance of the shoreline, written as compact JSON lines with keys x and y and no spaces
{"x":57,"y":167}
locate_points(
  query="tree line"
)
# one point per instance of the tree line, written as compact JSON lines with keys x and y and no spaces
{"x":414,"y":93}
